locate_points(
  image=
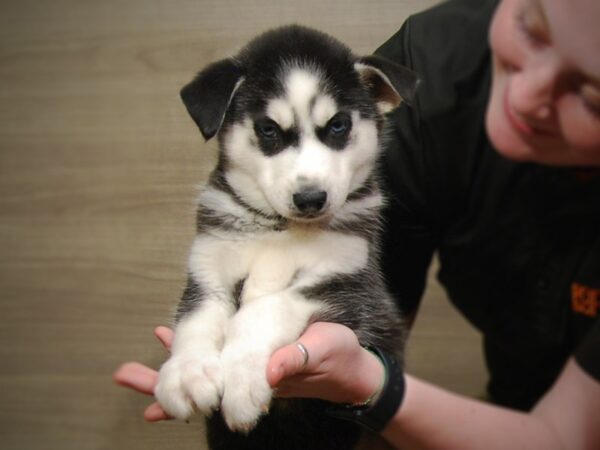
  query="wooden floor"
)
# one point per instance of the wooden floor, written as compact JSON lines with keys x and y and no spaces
{"x":99,"y":165}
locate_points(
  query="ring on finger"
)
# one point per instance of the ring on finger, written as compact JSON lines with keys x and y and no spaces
{"x":304,"y":352}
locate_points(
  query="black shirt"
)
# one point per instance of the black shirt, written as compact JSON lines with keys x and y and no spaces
{"x":518,"y":243}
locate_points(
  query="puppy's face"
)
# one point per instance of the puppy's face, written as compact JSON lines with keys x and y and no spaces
{"x":298,"y":118}
{"x":301,"y":150}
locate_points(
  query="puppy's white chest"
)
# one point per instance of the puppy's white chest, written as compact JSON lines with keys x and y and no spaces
{"x":274,"y":261}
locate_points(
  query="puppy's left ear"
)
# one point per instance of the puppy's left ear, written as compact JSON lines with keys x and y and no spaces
{"x":208,"y":96}
{"x":389,"y":83}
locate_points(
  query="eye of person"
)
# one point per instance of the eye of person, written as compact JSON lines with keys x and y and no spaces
{"x":590,"y":95}
{"x":532,"y":25}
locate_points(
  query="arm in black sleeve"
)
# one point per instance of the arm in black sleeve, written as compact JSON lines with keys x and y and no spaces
{"x":409,"y":239}
{"x":433,"y":146}
{"x":587,"y":354}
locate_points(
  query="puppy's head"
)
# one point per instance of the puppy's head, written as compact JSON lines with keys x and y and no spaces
{"x":298,"y":118}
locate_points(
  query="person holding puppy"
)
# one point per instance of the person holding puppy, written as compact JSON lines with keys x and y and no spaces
{"x":497,"y":168}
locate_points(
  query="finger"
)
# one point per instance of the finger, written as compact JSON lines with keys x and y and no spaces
{"x":136,"y":376}
{"x":290,"y":360}
{"x":284,"y":363}
{"x":165,"y":336}
{"x":155,"y":413}
{"x":296,"y":386}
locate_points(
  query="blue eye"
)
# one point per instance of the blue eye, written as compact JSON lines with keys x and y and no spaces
{"x":266,"y":129}
{"x":339,"y":125}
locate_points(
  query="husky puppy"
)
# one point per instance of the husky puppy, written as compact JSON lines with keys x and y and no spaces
{"x":287,"y":233}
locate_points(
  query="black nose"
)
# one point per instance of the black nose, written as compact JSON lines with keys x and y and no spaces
{"x":308,"y":202}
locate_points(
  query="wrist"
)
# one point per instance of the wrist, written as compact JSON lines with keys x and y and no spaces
{"x":371,"y":379}
{"x":378,"y":413}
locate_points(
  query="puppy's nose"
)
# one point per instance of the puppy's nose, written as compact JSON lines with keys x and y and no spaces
{"x":310,"y":201}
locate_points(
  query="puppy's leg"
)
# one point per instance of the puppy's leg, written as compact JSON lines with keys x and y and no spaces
{"x":191,"y":379}
{"x":256,"y":331}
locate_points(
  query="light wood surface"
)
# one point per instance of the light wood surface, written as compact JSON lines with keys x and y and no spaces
{"x":99,"y":165}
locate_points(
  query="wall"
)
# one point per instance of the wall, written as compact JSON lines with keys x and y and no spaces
{"x":99,"y":165}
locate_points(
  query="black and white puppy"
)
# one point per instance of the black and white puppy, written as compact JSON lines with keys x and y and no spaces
{"x":287,"y":234}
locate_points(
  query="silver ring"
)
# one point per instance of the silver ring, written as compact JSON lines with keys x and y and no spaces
{"x":304,"y":352}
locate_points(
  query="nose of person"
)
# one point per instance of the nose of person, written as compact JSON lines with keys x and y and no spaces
{"x":533,"y":91}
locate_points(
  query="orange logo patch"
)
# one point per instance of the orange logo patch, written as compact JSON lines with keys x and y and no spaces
{"x":585,"y":300}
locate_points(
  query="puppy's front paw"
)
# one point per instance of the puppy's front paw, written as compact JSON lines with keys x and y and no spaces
{"x":247,"y":393}
{"x":189,"y":382}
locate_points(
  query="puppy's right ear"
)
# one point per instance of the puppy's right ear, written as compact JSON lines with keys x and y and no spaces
{"x":208,"y":96}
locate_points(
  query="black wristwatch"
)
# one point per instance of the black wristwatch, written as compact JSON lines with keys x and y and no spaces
{"x":375,"y":416}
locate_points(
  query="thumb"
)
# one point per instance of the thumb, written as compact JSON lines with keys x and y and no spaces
{"x":284,"y":363}
{"x":318,"y":340}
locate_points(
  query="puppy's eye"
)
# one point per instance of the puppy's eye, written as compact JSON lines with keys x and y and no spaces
{"x":339,"y":125}
{"x":266,"y":129}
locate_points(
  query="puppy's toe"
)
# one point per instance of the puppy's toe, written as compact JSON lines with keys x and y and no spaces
{"x":170,"y":393}
{"x":187,"y":383}
{"x":246,"y":398}
{"x":204,"y":385}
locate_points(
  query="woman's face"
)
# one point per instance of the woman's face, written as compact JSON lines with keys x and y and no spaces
{"x":545,"y":99}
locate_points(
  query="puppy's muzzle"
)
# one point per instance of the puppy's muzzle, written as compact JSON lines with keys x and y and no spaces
{"x":309,"y":202}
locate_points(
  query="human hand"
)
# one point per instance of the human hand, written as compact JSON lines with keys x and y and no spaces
{"x":338,"y":368}
{"x":143,"y":379}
